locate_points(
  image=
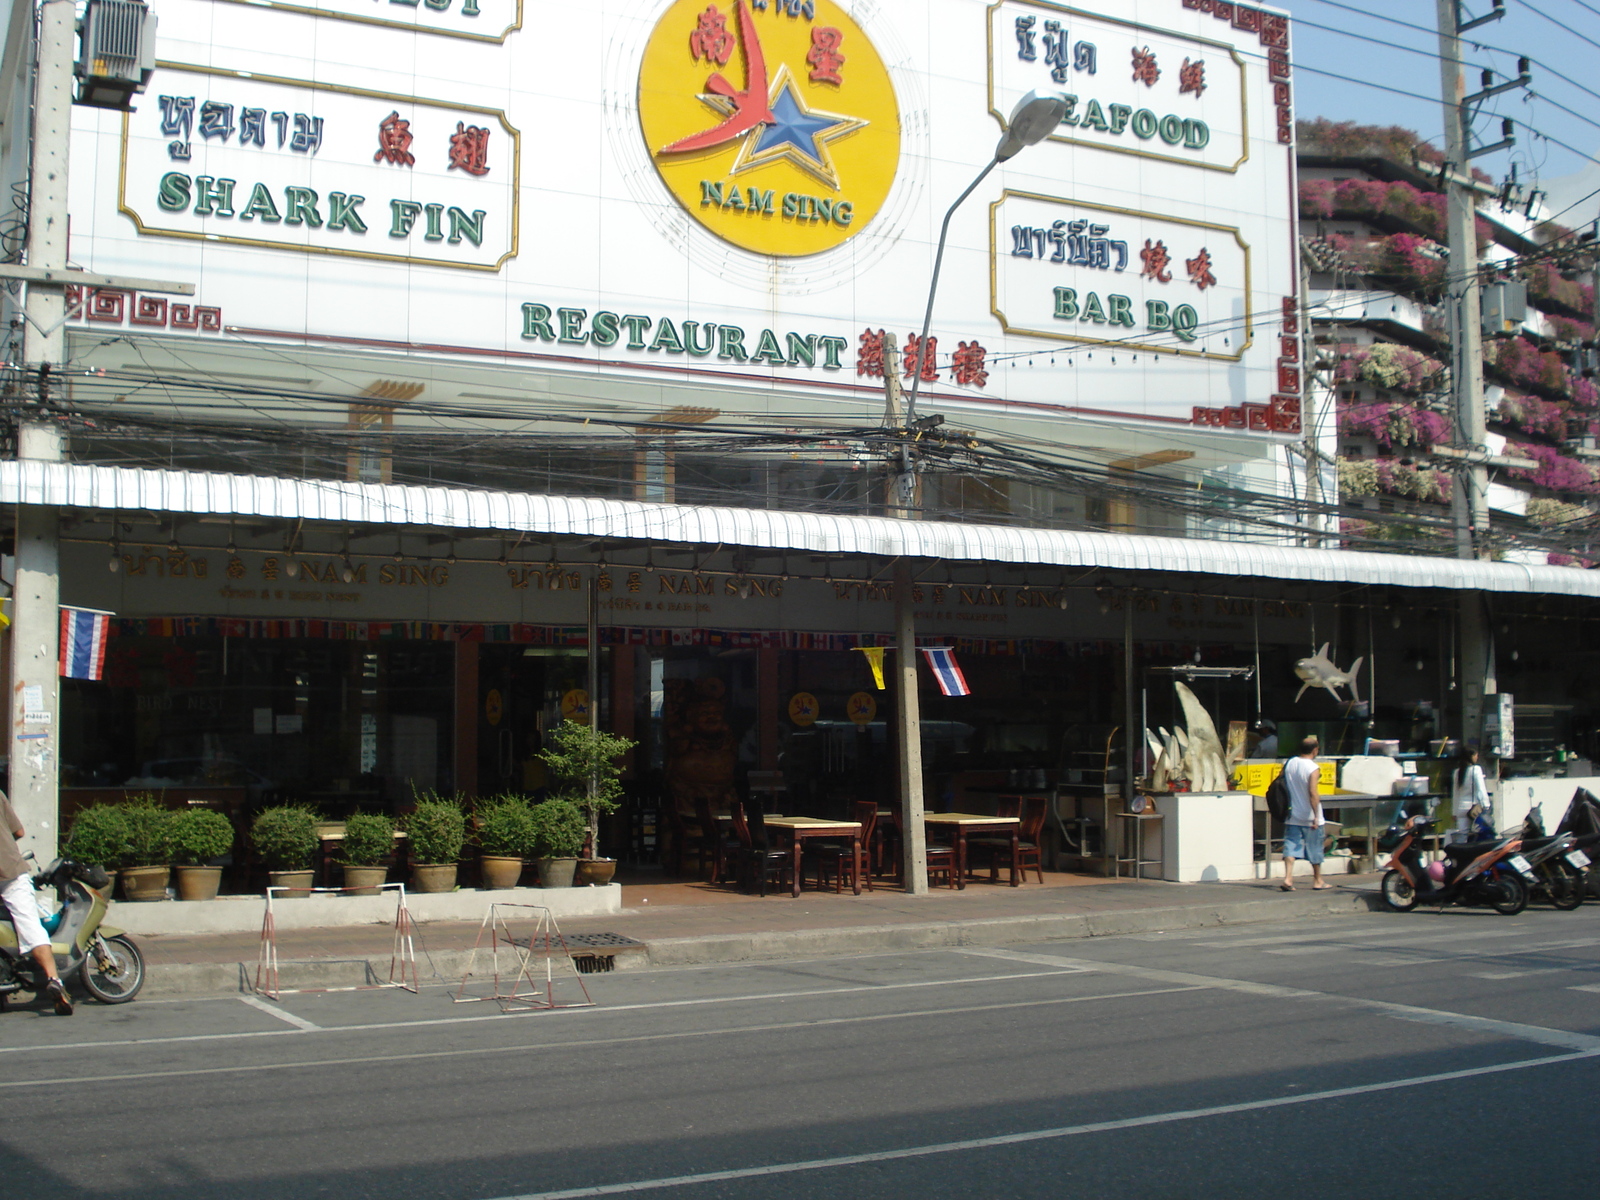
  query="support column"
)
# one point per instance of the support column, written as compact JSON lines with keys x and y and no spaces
{"x":466,"y":739}
{"x":36,"y":616}
{"x":908,"y":730}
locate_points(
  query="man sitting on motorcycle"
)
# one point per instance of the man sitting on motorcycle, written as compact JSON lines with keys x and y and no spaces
{"x":16,"y":888}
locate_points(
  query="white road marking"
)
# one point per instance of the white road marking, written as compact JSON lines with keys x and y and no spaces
{"x":272,"y":1010}
{"x":379,"y":1026}
{"x":1584,"y":987}
{"x":1405,"y":1012}
{"x":1300,"y":938}
{"x":583,"y":1043}
{"x":1516,"y":974}
{"x":1040,"y":1135}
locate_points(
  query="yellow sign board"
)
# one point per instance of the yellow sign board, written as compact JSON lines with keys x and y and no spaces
{"x":804,"y":709}
{"x":862,"y":708}
{"x":774,"y":125}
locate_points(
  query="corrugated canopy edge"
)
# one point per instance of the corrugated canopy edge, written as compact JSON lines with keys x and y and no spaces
{"x":71,"y":485}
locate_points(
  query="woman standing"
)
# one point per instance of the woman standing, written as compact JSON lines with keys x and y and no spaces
{"x":1469,"y":794}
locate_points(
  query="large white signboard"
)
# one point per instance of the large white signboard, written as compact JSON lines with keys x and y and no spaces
{"x":626,"y":198}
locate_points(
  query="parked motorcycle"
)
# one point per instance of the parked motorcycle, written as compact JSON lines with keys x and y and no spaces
{"x":1491,"y":874}
{"x":1557,"y":863}
{"x":1582,"y":820}
{"x":107,"y":960}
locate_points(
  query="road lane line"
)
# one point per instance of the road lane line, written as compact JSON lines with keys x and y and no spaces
{"x":272,"y":1010}
{"x":583,"y":1043}
{"x":1040,"y":1135}
{"x":480,"y":1018}
{"x":1405,"y":1012}
{"x":1516,"y":974}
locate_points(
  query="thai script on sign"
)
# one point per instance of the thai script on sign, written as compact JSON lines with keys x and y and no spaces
{"x":1076,"y":243}
{"x":299,"y":132}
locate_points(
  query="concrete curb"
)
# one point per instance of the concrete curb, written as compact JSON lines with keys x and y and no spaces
{"x":236,"y":978}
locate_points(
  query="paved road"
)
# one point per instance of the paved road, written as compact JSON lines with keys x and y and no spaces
{"x":1312,"y":1058}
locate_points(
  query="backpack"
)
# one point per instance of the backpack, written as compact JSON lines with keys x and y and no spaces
{"x":1278,"y":798}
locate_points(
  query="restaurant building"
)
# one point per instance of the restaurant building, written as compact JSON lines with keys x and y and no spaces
{"x":520,"y":330}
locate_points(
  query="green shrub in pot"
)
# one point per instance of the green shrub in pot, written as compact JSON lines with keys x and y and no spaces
{"x":149,"y":837}
{"x":285,"y":837}
{"x":586,"y":763}
{"x":199,"y":835}
{"x":437,"y":830}
{"x":368,"y":839}
{"x":558,"y":828}
{"x":98,"y":836}
{"x":506,"y":827}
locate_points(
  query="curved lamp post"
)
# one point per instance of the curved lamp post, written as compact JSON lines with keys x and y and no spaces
{"x":1032,"y":120}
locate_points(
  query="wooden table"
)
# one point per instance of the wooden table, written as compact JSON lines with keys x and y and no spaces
{"x":801,"y":828}
{"x":961,"y":824}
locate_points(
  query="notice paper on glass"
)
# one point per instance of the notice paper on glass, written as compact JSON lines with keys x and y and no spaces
{"x":263,"y":720}
{"x":289,"y":724}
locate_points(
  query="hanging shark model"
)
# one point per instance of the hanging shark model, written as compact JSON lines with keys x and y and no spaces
{"x":1319,"y":671}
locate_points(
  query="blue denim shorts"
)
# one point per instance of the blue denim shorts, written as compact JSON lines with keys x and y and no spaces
{"x":1302,"y":841}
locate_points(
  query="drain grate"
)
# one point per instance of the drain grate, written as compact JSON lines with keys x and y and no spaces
{"x":601,"y":941}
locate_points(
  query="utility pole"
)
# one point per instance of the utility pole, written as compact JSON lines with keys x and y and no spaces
{"x":902,"y":488}
{"x":36,"y":623}
{"x":1471,"y":501}
{"x":36,"y":590}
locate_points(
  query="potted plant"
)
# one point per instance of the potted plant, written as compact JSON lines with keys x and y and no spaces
{"x":98,"y":837}
{"x":585,"y":761}
{"x":436,"y":830}
{"x":368,"y":844}
{"x":558,"y":833}
{"x":147,"y":852}
{"x":506,"y":836}
{"x":285,"y":837}
{"x":199,"y":835}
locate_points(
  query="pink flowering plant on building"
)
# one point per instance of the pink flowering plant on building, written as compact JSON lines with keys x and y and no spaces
{"x":1533,"y":415}
{"x":1394,"y":425}
{"x":1556,"y":472}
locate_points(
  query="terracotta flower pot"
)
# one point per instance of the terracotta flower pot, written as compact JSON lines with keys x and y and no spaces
{"x":556,"y":872}
{"x":298,"y":883}
{"x":596,"y":871}
{"x":364,"y":881}
{"x":433,"y":877}
{"x":199,"y":883}
{"x":144,"y":883}
{"x":501,"y":871}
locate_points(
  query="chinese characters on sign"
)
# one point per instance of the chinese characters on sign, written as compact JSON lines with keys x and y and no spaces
{"x":394,"y":141}
{"x":967,"y":364}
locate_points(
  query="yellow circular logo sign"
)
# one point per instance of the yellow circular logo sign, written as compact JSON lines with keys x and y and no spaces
{"x":773,"y":122}
{"x":804,"y":709}
{"x":493,"y":707}
{"x":862,"y":708}
{"x":575,"y":705}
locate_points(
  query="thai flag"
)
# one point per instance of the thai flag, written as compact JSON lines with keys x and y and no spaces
{"x":83,"y":642}
{"x":942,"y":661}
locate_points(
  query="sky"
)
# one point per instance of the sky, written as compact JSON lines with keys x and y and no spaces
{"x":1378,"y":64}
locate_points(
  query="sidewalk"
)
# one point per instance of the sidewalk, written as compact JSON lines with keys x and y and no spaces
{"x":684,"y":923}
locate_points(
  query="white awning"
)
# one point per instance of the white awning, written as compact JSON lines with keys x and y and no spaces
{"x":67,"y":485}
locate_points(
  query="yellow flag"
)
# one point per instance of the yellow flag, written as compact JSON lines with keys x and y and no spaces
{"x":875,"y":660}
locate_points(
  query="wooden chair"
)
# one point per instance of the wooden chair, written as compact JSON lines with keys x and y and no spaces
{"x":840,"y":855}
{"x":685,"y":840}
{"x":755,"y":856}
{"x":998,"y":849}
{"x":941,"y":859}
{"x":719,"y":839}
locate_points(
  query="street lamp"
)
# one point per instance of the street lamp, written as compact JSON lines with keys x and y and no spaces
{"x":1031,"y":121}
{"x":1035,"y":115}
